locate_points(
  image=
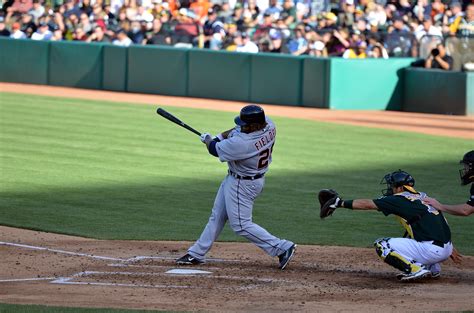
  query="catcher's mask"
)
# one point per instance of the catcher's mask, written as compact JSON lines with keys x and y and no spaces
{"x":397,"y":179}
{"x":251,"y":118}
{"x":467,"y":172}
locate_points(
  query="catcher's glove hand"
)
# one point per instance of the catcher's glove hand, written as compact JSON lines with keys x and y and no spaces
{"x":329,"y":200}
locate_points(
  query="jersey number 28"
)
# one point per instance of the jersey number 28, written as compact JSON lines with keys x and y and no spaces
{"x":264,"y":157}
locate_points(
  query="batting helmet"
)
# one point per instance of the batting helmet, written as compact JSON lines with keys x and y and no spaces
{"x":396,"y":179}
{"x":467,"y":173}
{"x":250,"y":114}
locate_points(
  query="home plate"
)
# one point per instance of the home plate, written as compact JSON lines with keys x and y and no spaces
{"x":182,"y":271}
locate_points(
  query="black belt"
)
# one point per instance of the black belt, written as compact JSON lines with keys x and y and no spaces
{"x":439,"y":243}
{"x":246,"y":177}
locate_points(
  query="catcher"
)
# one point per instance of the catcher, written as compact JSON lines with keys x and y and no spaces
{"x":429,"y":241}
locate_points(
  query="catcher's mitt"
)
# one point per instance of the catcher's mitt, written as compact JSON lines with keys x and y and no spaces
{"x":329,"y":200}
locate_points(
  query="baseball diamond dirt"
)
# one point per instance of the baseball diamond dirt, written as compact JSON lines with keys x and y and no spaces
{"x":59,"y":270}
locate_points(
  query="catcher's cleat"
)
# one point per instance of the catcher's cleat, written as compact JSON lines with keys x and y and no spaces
{"x":188,"y":260}
{"x":422,"y":273}
{"x":286,"y":256}
{"x":435,"y":270}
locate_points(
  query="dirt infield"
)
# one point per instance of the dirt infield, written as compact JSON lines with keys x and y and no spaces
{"x":433,"y":124}
{"x":58,"y":270}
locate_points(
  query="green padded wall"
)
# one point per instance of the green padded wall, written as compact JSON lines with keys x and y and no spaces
{"x":24,"y":61}
{"x":470,"y":93}
{"x":315,"y":82}
{"x":219,"y":75}
{"x":76,"y":64}
{"x":437,"y":91}
{"x":366,"y":84}
{"x":115,"y":68}
{"x":157,"y":70}
{"x":276,"y":79}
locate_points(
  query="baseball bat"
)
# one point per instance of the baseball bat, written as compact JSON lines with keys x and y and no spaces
{"x":176,"y":120}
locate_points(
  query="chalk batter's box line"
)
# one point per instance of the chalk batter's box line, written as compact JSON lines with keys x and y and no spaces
{"x":70,"y":280}
{"x":61,"y":251}
{"x":125,"y":261}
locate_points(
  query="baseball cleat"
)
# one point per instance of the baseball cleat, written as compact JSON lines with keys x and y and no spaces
{"x":422,"y":273}
{"x":435,"y":270}
{"x":285,"y":257}
{"x":188,"y":260}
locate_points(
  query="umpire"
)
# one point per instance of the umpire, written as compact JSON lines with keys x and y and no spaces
{"x":467,"y":177}
{"x":429,"y":237}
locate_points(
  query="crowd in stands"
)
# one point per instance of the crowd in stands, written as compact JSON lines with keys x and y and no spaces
{"x":347,"y":28}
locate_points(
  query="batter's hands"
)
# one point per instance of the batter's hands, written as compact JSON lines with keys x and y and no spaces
{"x":206,"y":138}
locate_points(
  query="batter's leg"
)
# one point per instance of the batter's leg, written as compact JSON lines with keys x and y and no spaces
{"x":239,"y":198}
{"x":213,"y":228}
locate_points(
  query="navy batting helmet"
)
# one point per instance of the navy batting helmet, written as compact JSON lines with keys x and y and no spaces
{"x":467,"y":173}
{"x":396,"y":179}
{"x":250,"y":114}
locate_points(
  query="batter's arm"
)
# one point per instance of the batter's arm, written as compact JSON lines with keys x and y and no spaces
{"x":224,"y":135}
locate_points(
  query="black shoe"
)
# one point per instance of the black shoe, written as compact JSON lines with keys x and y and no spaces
{"x":188,"y":260}
{"x":286,"y":257}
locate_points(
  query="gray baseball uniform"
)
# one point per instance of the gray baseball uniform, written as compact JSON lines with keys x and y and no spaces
{"x":248,"y":157}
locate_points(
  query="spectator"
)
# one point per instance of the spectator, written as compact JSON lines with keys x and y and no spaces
{"x":378,"y":51}
{"x":427,"y":29}
{"x":98,"y":36}
{"x":143,"y":15}
{"x":79,"y":34}
{"x":452,"y":18}
{"x":42,"y":33}
{"x":136,"y":33}
{"x":186,"y":29}
{"x":466,"y":25}
{"x":318,"y":49}
{"x":122,"y":39}
{"x":27,"y":25}
{"x":57,"y":34}
{"x":298,"y":45}
{"x":16,"y":32}
{"x":19,"y":7}
{"x":85,"y":23}
{"x":159,"y":36}
{"x":214,"y":32}
{"x":70,"y":9}
{"x":357,"y":51}
{"x":4,"y":32}
{"x":438,"y":59}
{"x":244,"y":44}
{"x":37,"y":10}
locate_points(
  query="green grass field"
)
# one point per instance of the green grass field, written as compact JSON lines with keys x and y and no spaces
{"x":119,"y":171}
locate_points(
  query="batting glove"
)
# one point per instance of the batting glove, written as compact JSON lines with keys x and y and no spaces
{"x":206,"y":137}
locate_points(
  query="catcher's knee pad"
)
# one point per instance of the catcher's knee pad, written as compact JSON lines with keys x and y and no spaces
{"x":382,"y":247}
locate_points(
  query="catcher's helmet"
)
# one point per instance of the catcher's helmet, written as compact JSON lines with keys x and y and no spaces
{"x":250,"y":114}
{"x":396,"y":179}
{"x":467,"y":173}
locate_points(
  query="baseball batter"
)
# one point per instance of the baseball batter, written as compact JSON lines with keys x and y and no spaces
{"x":247,"y":149}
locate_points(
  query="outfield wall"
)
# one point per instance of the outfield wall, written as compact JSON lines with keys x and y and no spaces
{"x":335,"y":83}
